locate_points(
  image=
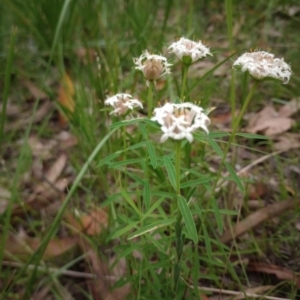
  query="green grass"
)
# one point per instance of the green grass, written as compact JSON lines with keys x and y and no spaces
{"x":129,"y":173}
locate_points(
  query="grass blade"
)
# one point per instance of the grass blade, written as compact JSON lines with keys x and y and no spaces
{"x":8,"y":71}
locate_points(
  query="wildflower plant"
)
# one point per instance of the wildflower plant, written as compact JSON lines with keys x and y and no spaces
{"x":180,"y":123}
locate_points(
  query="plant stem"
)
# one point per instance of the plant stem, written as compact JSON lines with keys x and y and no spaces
{"x":187,"y":148}
{"x":150,"y":99}
{"x":8,"y":72}
{"x":177,"y":166}
{"x":185,"y":69}
{"x":234,"y":131}
{"x":178,"y":226}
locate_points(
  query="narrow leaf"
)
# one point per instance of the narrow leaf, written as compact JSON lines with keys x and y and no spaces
{"x":170,"y":170}
{"x":152,"y":154}
{"x":196,"y":182}
{"x":235,"y":177}
{"x":143,"y":130}
{"x":253,"y":136}
{"x":188,"y":218}
{"x":215,"y":146}
{"x":209,"y":72}
{"x":130,"y":202}
{"x":147,"y":194}
{"x":123,"y":230}
{"x":126,"y":162}
{"x":151,"y":227}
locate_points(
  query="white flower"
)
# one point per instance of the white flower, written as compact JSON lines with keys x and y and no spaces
{"x":153,"y":66}
{"x":179,"y":121}
{"x":189,"y":51}
{"x":122,"y":103}
{"x":262,"y":64}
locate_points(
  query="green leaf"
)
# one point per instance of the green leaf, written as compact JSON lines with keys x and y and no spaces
{"x":156,"y":243}
{"x":126,"y":162}
{"x":143,"y":131}
{"x":156,"y":204}
{"x":108,"y":158}
{"x":151,"y":227}
{"x":117,"y":125}
{"x":196,"y":182}
{"x":188,"y":218}
{"x":253,"y":136}
{"x":152,"y":154}
{"x":190,"y":194}
{"x":123,"y":230}
{"x":208,"y":249}
{"x":147,"y":194}
{"x":130,"y":202}
{"x":170,"y":170}
{"x":215,"y":146}
{"x":235,"y":177}
{"x":136,"y":146}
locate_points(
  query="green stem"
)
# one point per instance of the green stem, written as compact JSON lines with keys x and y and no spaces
{"x":187,"y":148}
{"x":178,"y":226}
{"x":125,"y":154}
{"x":8,"y":71}
{"x":239,"y":118}
{"x":234,"y":130}
{"x":185,"y":69}
{"x":150,"y":100}
{"x":177,"y":166}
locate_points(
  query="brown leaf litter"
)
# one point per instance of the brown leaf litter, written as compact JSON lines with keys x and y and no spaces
{"x":271,"y":122}
{"x":257,"y":218}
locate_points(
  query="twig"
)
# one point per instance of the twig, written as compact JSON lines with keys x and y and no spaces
{"x":53,"y":270}
{"x":244,"y":294}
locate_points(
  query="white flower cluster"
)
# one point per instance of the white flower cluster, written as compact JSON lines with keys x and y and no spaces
{"x":122,"y":103}
{"x":153,"y":66}
{"x":262,"y":64}
{"x":190,"y":49}
{"x":179,"y":121}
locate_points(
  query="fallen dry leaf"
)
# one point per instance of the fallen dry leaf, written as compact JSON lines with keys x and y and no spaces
{"x":52,"y":174}
{"x":270,"y":122}
{"x":90,"y":224}
{"x":35,"y":91}
{"x":23,"y":121}
{"x":279,"y":272}
{"x":101,"y":287}
{"x":287,"y":141}
{"x":257,"y":218}
{"x":11,"y":110}
{"x":24,"y":246}
{"x":290,"y":108}
{"x":4,"y":199}
{"x":65,"y":98}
